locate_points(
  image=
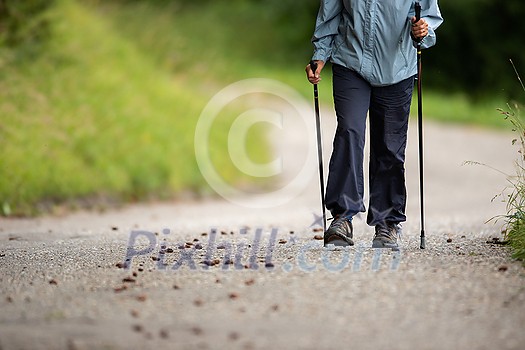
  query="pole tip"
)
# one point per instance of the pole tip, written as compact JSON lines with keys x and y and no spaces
{"x":423,"y":243}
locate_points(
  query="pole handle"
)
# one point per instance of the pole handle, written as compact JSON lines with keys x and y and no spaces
{"x":417,"y":8}
{"x":313,"y":65}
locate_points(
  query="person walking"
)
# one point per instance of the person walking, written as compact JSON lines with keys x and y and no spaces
{"x":371,"y":46}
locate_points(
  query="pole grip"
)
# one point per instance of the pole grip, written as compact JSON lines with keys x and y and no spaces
{"x":418,"y":11}
{"x":313,"y":66}
{"x":417,"y":8}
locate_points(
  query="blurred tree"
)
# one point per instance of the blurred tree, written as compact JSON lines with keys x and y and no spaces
{"x":474,"y":46}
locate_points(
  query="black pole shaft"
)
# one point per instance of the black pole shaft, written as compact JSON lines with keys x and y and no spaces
{"x":420,"y":134}
{"x":313,"y":66}
{"x":422,"y":244}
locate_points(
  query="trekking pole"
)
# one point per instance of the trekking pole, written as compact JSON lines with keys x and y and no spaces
{"x":420,"y":131}
{"x":313,"y":66}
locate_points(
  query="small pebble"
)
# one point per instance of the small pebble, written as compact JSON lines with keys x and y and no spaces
{"x":233,"y":295}
{"x":53,"y":281}
{"x":283,"y":241}
{"x":449,"y":240}
{"x":169,"y":250}
{"x":318,"y":237}
{"x":196,"y":330}
{"x":114,"y":228}
{"x":503,"y":268}
{"x":269,"y":265}
{"x":142,"y":297}
{"x":198,"y":302}
{"x":164,"y":334}
{"x":128,"y":280}
{"x":134,"y":313}
{"x":233,"y":336}
{"x":120,"y":289}
{"x":120,"y":265}
{"x":249,"y":282}
{"x":175,"y":286}
{"x":211,"y":262}
{"x":137,"y":328}
{"x":134,"y":274}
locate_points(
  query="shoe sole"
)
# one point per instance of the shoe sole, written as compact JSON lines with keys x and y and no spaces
{"x":383,"y":245}
{"x":339,"y":243}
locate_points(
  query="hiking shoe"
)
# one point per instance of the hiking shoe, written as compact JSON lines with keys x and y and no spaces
{"x":387,"y":236}
{"x":340,"y":232}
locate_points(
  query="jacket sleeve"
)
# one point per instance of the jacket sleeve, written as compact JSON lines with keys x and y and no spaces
{"x":326,"y":27}
{"x":431,"y":13}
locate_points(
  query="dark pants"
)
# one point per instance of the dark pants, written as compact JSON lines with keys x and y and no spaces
{"x":389,"y":108}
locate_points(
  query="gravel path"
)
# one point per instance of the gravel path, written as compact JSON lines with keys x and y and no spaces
{"x":61,"y":287}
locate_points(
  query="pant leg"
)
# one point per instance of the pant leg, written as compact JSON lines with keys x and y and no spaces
{"x":389,"y":112}
{"x":344,"y":191}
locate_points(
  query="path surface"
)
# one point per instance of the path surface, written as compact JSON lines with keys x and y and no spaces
{"x":61,"y":288}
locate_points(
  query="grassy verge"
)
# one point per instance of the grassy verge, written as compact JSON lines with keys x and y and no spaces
{"x":95,"y":117}
{"x":515,"y":217}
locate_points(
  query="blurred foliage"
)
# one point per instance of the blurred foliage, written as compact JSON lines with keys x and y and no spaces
{"x":475,"y":42}
{"x":94,"y":119}
{"x":474,"y":46}
{"x":25,"y":24}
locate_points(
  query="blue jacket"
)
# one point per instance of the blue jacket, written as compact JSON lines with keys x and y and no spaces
{"x":372,"y":37}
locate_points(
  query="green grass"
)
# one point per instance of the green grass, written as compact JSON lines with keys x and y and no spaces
{"x":460,"y":109}
{"x":94,"y":116}
{"x":515,"y":194}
